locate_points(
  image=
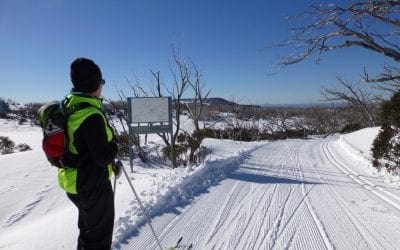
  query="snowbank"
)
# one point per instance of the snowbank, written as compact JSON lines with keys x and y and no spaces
{"x":358,"y":145}
{"x":166,"y":190}
{"x":360,"y":141}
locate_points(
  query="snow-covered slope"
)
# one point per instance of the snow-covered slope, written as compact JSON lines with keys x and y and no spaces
{"x":301,"y":194}
{"x":36,"y":214}
{"x":359,"y":143}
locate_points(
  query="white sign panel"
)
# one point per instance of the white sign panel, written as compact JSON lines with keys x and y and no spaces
{"x":150,"y":109}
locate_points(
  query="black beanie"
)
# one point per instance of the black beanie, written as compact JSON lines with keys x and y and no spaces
{"x":85,"y":75}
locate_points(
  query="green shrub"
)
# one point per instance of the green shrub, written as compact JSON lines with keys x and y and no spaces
{"x":386,"y":146}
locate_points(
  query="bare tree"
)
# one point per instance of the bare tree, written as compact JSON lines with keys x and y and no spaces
{"x":370,"y":24}
{"x":136,"y":87}
{"x":182,"y":78}
{"x":321,"y":120}
{"x":357,"y":98}
{"x":119,"y":108}
{"x":181,"y":81}
{"x":195,"y":108}
{"x":156,"y":92}
{"x":181,"y":72}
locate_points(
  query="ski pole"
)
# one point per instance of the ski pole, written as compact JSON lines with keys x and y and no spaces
{"x":119,"y":162}
{"x":115,"y":185}
{"x":140,"y":204}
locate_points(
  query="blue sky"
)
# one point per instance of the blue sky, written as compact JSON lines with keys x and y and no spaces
{"x":227,"y":39}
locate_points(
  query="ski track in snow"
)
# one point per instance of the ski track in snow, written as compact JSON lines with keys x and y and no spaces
{"x":180,"y":195}
{"x":380,"y":192}
{"x":372,"y":233}
{"x":28,"y":208}
{"x":287,"y":194}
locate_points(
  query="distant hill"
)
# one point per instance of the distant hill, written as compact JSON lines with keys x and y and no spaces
{"x":213,"y":101}
{"x":296,"y":105}
{"x":218,"y":101}
{"x":306,"y":105}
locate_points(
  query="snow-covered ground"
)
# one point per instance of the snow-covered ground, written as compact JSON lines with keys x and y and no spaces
{"x":302,"y":194}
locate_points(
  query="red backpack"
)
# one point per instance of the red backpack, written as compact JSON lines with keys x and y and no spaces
{"x":54,"y":126}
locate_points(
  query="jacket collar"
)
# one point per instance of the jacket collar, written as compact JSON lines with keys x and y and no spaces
{"x":74,"y":99}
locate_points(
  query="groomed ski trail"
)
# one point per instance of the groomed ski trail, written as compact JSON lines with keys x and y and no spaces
{"x":291,"y":194}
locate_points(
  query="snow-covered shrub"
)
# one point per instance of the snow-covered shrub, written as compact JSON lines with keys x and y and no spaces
{"x":22,"y":147}
{"x":22,"y":120}
{"x":123,"y":146}
{"x":123,"y":143}
{"x":6,"y":145}
{"x":351,"y":127}
{"x":180,"y":151}
{"x":188,"y":148}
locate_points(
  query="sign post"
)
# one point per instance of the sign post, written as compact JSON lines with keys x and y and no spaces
{"x":147,"y":115}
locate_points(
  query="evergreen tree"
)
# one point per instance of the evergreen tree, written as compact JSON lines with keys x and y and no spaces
{"x":4,"y":108}
{"x":386,"y":146}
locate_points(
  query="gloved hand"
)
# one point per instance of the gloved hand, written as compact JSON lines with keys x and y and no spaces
{"x":117,"y":168}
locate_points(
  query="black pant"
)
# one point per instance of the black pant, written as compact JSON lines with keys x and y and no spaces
{"x":96,"y":217}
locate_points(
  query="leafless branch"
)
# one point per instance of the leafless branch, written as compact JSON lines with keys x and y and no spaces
{"x":354,"y":96}
{"x":372,"y":25}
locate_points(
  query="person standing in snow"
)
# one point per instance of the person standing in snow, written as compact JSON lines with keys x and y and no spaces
{"x":91,"y":143}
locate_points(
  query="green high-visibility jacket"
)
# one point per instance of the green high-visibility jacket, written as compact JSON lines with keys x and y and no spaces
{"x":86,"y":174}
